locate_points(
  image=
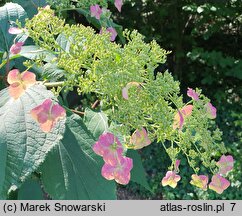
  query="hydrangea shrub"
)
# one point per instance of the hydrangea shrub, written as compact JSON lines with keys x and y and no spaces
{"x":80,"y":157}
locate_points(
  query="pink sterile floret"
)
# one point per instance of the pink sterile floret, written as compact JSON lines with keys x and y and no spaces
{"x":225,"y":164}
{"x":16,"y":48}
{"x":200,"y":181}
{"x":120,"y":172}
{"x":177,"y":164}
{"x":96,"y":11}
{"x":47,"y":114}
{"x":140,"y":139}
{"x":109,"y":147}
{"x":113,"y":33}
{"x":127,"y":87}
{"x":171,"y":179}
{"x":180,"y":115}
{"x":211,"y":110}
{"x":191,"y":93}
{"x":118,"y":4}
{"x":19,"y":82}
{"x":218,"y":183}
{"x":15,"y":30}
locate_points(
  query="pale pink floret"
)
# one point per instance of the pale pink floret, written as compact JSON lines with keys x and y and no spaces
{"x":181,"y":115}
{"x":109,"y":147}
{"x":125,"y":93}
{"x":47,"y":114}
{"x":14,"y":30}
{"x":200,"y":181}
{"x":120,"y":172}
{"x":19,"y":82}
{"x":140,"y":139}
{"x":225,"y":164}
{"x":171,"y":179}
{"x":177,"y":164}
{"x":113,"y":33}
{"x":96,"y":11}
{"x":211,"y":110}
{"x":191,"y":93}
{"x":126,"y":89}
{"x":219,"y":184}
{"x":16,"y":48}
{"x":118,"y":4}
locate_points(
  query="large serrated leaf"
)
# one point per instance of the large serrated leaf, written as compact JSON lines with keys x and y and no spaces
{"x":138,"y":174}
{"x":96,"y":122}
{"x":27,"y":146}
{"x":34,"y":52}
{"x":31,"y":190}
{"x":52,"y":72}
{"x":9,"y":13}
{"x":72,"y":170}
{"x":31,"y":6}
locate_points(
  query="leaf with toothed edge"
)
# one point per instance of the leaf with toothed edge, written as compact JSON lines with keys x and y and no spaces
{"x":27,"y":146}
{"x":72,"y":170}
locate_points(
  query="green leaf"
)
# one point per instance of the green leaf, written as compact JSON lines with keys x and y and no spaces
{"x":9,"y":13}
{"x":52,"y":72}
{"x":96,"y":122}
{"x":27,"y":146}
{"x":64,"y":43}
{"x":138,"y":174}
{"x":34,"y":52}
{"x":72,"y":170}
{"x":31,"y":190}
{"x":31,"y":6}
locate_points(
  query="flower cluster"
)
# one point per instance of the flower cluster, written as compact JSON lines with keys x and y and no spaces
{"x":96,"y":11}
{"x":218,"y":182}
{"x":225,"y":164}
{"x":116,"y":167}
{"x":186,"y":111}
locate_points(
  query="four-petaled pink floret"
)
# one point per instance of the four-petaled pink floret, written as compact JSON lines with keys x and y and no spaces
{"x":127,"y":87}
{"x":47,"y":114}
{"x":120,"y":172}
{"x":200,"y":181}
{"x":96,"y":11}
{"x":181,"y":115}
{"x":118,"y":4}
{"x":140,"y":139}
{"x":109,"y":147}
{"x":171,"y":179}
{"x":225,"y":164}
{"x":211,"y":110}
{"x":191,"y":93}
{"x":16,"y":48}
{"x":19,"y":82}
{"x":218,"y":183}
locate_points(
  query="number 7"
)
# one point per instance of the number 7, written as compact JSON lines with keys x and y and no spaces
{"x":233,"y":205}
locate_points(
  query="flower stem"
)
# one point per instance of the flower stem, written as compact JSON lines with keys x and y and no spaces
{"x":53,"y":84}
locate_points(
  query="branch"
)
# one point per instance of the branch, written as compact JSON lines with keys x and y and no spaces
{"x":53,"y":84}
